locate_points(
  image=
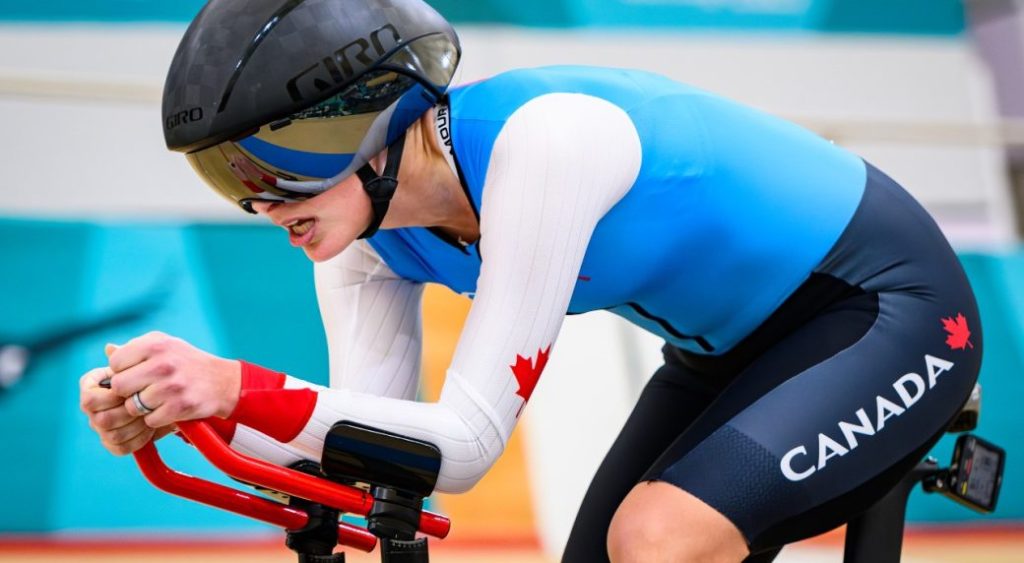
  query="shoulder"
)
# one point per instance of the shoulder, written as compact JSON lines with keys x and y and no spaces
{"x":497,"y":97}
{"x":551,"y":98}
{"x":563,"y":151}
{"x":552,"y":107}
{"x":550,"y":123}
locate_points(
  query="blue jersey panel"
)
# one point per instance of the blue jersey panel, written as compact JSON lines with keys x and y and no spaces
{"x":731,"y":211}
{"x":419,"y":255}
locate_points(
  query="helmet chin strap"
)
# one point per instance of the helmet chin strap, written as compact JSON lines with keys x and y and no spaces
{"x":381,"y":187}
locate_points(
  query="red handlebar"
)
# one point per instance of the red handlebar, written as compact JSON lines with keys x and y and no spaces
{"x":256,"y":472}
{"x":236,"y":501}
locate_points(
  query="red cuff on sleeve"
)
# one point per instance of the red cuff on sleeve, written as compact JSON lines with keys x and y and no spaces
{"x":278,"y":413}
{"x":257,"y":377}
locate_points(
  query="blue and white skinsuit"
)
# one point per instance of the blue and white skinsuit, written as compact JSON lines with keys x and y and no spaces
{"x":800,"y":291}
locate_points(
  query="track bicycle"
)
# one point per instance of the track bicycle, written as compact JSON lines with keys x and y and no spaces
{"x":385,"y":478}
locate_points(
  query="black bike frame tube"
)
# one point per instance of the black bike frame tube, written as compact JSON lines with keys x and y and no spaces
{"x":876,"y":536}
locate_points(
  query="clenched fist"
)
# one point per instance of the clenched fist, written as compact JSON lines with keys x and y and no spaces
{"x":120,"y":432}
{"x":174,"y":380}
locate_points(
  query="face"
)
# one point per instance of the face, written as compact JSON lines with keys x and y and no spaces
{"x":324,"y":225}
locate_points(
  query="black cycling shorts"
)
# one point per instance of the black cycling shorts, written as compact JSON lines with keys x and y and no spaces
{"x":817,"y":414}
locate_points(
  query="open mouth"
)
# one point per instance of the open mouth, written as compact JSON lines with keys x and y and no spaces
{"x":301,"y":231}
{"x":301,"y":227}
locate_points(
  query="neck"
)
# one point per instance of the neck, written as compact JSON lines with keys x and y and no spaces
{"x":429,"y":192}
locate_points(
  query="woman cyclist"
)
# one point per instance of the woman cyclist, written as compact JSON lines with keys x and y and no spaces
{"x":800,"y":292}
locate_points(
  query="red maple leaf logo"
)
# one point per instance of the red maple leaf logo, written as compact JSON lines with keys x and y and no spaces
{"x":527,"y":372}
{"x":959,"y":334}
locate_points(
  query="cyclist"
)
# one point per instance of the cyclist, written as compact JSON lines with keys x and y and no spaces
{"x":820,"y":332}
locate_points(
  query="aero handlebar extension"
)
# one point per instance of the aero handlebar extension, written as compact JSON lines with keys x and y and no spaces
{"x":249,"y":470}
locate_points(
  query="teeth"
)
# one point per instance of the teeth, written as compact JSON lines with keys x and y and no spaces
{"x":301,"y":227}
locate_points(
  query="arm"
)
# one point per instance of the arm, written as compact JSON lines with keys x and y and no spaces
{"x":560,"y":163}
{"x":372,"y":323}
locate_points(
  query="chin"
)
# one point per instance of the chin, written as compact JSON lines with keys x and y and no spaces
{"x":320,"y":252}
{"x":317,"y":256}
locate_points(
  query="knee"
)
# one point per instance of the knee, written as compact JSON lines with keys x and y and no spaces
{"x":658,"y":522}
{"x":635,"y":536}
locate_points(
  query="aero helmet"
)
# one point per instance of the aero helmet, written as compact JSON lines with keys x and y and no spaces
{"x":280,"y":100}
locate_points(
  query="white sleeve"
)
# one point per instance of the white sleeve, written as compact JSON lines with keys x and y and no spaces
{"x":372,"y":321}
{"x":559,"y":164}
{"x":371,"y":318}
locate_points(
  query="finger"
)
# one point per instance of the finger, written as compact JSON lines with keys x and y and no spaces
{"x":109,"y":349}
{"x":152,"y":403}
{"x":97,"y":399}
{"x":136,"y":443}
{"x":125,"y":433}
{"x":112,"y":419}
{"x":133,"y":445}
{"x":93,"y":377}
{"x":136,"y":351}
{"x":170,"y":409}
{"x":164,"y":416}
{"x":140,"y":376}
{"x":129,"y":405}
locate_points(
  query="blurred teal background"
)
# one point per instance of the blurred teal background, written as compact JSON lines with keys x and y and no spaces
{"x":890,"y":16}
{"x":242,"y":292}
{"x":96,"y":216}
{"x":237,"y":291}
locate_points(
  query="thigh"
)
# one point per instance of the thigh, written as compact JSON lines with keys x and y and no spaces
{"x":821,"y":425}
{"x":671,"y":401}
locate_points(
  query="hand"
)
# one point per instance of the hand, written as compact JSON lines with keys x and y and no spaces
{"x":120,"y":432}
{"x":174,"y":379}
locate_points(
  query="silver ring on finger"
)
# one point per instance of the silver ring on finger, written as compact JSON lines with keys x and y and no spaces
{"x":139,"y":405}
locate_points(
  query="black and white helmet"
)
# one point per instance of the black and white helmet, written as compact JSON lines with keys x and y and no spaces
{"x":282,"y":99}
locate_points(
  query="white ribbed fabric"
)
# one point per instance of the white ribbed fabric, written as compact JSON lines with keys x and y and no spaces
{"x":560,"y":163}
{"x":372,"y":320}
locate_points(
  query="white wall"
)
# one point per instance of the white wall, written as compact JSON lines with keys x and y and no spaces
{"x":82,"y":138}
{"x":863,"y":92}
{"x":80,"y":109}
{"x":82,"y":135}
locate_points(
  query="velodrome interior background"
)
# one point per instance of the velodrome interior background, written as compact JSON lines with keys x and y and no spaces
{"x":104,"y":235}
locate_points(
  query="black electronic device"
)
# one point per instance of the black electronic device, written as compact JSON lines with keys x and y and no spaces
{"x":400,"y":472}
{"x":974,"y":476}
{"x":354,"y":453}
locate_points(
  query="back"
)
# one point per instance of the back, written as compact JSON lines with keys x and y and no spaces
{"x":731,"y":211}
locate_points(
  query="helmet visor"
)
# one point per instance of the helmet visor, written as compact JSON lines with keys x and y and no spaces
{"x":302,"y":155}
{"x":311,"y":151}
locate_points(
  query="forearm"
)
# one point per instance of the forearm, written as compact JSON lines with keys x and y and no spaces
{"x":275,"y":422}
{"x":372,"y":323}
